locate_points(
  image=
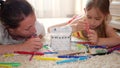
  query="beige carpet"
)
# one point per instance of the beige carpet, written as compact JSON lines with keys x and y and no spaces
{"x":105,"y":61}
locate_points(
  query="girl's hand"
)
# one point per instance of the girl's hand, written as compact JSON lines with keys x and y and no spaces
{"x":32,"y":44}
{"x":78,"y":25}
{"x":93,"y":37}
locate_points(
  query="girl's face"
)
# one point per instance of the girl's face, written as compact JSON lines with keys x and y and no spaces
{"x":26,"y":28}
{"x":94,"y":17}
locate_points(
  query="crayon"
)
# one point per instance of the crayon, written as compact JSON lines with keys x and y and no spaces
{"x":31,"y":57}
{"x":48,"y":48}
{"x":50,"y":52}
{"x":82,"y":42}
{"x":29,"y":53}
{"x":69,"y":56}
{"x":72,"y":60}
{"x":100,"y":54}
{"x":8,"y":55}
{"x":47,"y":58}
{"x":87,"y":27}
{"x":97,"y":46}
{"x":13,"y":64}
{"x":45,"y":46}
{"x":5,"y":66}
{"x":76,"y":53}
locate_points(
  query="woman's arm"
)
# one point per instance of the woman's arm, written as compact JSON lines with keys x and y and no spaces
{"x":112,"y":40}
{"x":9,"y":48}
{"x":32,"y":44}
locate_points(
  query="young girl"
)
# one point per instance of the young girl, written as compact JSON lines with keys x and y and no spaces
{"x":94,"y":24}
{"x":19,"y":30}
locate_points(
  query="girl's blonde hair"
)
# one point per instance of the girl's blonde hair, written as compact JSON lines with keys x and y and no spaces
{"x":103,"y":6}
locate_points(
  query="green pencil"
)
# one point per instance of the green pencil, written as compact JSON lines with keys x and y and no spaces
{"x":13,"y":64}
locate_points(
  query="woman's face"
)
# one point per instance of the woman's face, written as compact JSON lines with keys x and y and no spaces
{"x":94,"y":17}
{"x":26,"y":28}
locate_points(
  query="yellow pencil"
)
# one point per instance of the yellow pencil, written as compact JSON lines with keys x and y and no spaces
{"x":8,"y":55}
{"x":47,"y":58}
{"x":5,"y":66}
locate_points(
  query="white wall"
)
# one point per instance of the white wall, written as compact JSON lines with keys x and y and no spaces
{"x":53,"y":8}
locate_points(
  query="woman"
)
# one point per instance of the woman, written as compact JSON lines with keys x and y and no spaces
{"x":19,"y":30}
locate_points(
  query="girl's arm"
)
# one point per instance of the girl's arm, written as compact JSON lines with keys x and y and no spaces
{"x":73,"y":23}
{"x":112,"y":40}
{"x":76,"y":25}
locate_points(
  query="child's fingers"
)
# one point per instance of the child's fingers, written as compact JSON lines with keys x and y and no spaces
{"x":92,"y":37}
{"x":80,"y":25}
{"x":92,"y":31}
{"x":92,"y":40}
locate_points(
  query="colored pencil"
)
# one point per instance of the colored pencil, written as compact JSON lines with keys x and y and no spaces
{"x":50,"y":52}
{"x":29,"y":53}
{"x":47,"y":58}
{"x":13,"y":64}
{"x":70,"y":56}
{"x":72,"y":60}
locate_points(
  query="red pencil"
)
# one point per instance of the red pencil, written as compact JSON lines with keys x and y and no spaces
{"x":31,"y":56}
{"x":87,"y":27}
{"x":84,"y":42}
{"x":29,"y":53}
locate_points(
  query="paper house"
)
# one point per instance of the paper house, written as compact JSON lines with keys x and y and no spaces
{"x":60,"y":38}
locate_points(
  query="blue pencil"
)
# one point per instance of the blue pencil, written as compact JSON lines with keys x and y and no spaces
{"x":72,"y":60}
{"x":50,"y":52}
{"x":97,"y":46}
{"x":70,"y":56}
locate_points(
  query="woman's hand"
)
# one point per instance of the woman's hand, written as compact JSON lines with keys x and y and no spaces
{"x":40,"y":36}
{"x":32,"y":44}
{"x":93,"y":37}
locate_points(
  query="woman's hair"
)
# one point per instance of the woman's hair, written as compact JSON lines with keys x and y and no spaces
{"x":12,"y":12}
{"x":103,"y":6}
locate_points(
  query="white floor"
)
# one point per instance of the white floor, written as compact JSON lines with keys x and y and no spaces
{"x":115,"y":24}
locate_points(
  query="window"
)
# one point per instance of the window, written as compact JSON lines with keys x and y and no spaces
{"x":57,"y":8}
